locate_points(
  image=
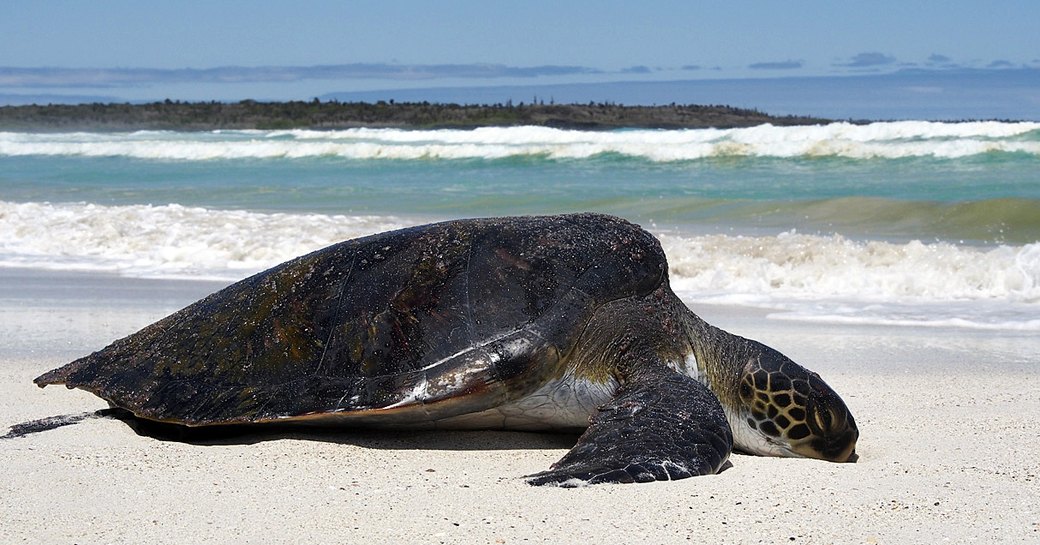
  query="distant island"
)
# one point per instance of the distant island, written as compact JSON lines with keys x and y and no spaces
{"x":250,"y":114}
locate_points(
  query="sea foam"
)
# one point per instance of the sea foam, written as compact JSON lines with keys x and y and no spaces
{"x":811,"y":266}
{"x":169,"y":241}
{"x":800,"y":276}
{"x":888,"y":140}
{"x":835,"y":279}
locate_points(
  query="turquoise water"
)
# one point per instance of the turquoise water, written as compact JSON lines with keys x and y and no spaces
{"x":908,"y":222}
{"x":987,"y":198}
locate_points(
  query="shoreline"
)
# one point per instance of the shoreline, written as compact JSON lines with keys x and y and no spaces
{"x":948,"y":424}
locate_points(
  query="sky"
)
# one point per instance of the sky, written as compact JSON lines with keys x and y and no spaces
{"x":234,"y":49}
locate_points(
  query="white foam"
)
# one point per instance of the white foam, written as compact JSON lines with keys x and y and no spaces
{"x":875,"y":140}
{"x":938,"y":318}
{"x":834,"y":279}
{"x":806,"y":277}
{"x":167,"y":241}
{"x":798,"y":265}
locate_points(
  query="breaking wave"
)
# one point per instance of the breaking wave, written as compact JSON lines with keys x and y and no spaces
{"x":888,"y":140}
{"x":812,"y":266}
{"x":808,"y":277}
{"x":169,"y":241}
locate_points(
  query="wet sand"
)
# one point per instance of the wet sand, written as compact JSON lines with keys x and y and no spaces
{"x":949,"y":421}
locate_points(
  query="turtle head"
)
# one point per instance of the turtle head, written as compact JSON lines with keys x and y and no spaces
{"x":788,"y":410}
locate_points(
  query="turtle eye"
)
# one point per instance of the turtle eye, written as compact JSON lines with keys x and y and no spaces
{"x":823,"y":419}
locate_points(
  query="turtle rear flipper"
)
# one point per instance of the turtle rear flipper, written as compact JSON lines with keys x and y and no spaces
{"x":661,"y":426}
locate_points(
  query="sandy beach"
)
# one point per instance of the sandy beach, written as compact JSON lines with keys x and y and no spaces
{"x":949,"y":420}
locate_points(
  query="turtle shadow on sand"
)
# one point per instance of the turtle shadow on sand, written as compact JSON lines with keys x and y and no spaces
{"x":250,"y":434}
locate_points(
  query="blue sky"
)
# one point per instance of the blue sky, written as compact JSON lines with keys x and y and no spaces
{"x":216,"y":49}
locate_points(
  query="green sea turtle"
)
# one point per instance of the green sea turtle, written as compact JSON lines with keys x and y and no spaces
{"x":527,"y":323}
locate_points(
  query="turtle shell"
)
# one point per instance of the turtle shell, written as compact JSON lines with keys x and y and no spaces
{"x":415,"y":324}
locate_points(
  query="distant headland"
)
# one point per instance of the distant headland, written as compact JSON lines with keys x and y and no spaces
{"x":250,"y":114}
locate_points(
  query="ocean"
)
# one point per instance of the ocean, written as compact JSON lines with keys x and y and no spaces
{"x":891,"y":223}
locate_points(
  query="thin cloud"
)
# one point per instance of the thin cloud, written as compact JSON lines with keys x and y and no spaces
{"x":639,"y":69}
{"x":691,"y":67}
{"x":776,"y":65}
{"x":121,"y":77}
{"x":869,"y":59}
{"x":935,"y":60}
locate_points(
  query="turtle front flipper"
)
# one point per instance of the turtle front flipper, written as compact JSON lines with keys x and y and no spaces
{"x":661,"y":426}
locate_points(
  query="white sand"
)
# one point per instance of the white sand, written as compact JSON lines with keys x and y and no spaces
{"x":949,"y":422}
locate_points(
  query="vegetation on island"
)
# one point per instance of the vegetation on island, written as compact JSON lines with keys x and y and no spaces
{"x":315,"y":114}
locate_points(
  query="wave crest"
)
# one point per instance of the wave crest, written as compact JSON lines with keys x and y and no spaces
{"x":888,"y":140}
{"x":170,"y":241}
{"x":806,"y":275}
{"x":811,"y":266}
